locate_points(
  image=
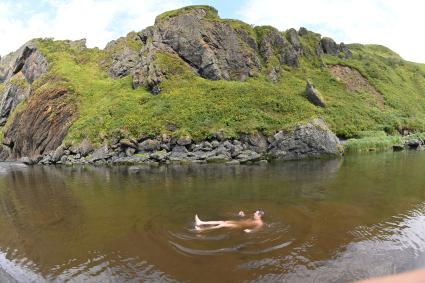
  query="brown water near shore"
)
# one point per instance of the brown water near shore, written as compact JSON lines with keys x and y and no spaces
{"x":326,"y":221}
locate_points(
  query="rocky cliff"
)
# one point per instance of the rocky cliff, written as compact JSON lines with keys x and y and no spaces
{"x":196,"y":87}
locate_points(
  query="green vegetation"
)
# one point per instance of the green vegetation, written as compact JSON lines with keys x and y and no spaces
{"x":401,"y":83}
{"x":372,"y":141}
{"x":19,"y":80}
{"x":212,"y":13}
{"x":197,"y":106}
{"x":200,"y":107}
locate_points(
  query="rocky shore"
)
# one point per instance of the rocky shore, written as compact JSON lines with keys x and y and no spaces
{"x":309,"y":141}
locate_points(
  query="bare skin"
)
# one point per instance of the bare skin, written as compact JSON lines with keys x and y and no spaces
{"x":409,"y":277}
{"x":247,"y":225}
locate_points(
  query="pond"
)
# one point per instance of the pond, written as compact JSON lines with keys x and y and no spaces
{"x":325,"y":221}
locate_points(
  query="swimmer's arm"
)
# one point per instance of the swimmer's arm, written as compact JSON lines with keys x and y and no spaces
{"x":253,"y":230}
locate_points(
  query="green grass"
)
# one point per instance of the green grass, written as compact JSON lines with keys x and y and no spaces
{"x":372,"y":143}
{"x":212,"y":13}
{"x":197,"y":107}
{"x":19,"y":80}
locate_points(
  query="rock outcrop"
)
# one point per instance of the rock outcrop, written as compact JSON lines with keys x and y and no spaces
{"x":18,"y":71}
{"x":329,"y":46}
{"x":213,"y":48}
{"x":313,"y":95}
{"x":41,"y":126}
{"x":27,"y":59}
{"x":312,"y":140}
{"x":124,"y":53}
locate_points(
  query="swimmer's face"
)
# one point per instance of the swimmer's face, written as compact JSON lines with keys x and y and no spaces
{"x":258,"y":214}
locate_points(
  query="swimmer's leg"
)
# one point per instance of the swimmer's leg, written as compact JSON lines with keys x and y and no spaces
{"x":199,"y":222}
{"x":208,"y":228}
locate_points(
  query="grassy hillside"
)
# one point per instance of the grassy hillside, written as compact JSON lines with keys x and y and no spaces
{"x":189,"y":104}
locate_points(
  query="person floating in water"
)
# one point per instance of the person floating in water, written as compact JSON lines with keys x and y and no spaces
{"x":248,"y":225}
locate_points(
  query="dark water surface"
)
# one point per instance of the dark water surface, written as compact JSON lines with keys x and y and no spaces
{"x":326,"y":221}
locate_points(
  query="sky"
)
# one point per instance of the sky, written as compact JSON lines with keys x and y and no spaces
{"x":396,"y":24}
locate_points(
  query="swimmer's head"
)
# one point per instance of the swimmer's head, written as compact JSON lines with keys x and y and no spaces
{"x":259,"y":214}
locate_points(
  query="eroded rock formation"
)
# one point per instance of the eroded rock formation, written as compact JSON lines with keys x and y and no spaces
{"x":18,"y":71}
{"x":41,"y":126}
{"x":213,"y":48}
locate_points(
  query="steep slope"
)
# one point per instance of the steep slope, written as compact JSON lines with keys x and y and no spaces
{"x":194,"y":77}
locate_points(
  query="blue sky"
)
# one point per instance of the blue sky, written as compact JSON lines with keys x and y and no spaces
{"x":396,"y":24}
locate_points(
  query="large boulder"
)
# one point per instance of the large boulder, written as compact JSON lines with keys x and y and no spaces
{"x":313,"y":95}
{"x":329,"y":46}
{"x":294,"y":39}
{"x":313,"y":140}
{"x":255,"y":142}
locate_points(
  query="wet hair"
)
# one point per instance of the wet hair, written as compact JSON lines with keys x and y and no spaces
{"x":260,"y":212}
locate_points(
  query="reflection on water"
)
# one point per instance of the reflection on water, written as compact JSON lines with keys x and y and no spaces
{"x":326,"y":221}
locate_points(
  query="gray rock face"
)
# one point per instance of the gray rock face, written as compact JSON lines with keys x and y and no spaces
{"x":214,"y":49}
{"x":125,"y":58}
{"x":293,"y":38}
{"x":329,"y":46}
{"x":274,"y":43}
{"x":34,"y":65}
{"x":12,"y":96}
{"x":26,"y":59}
{"x":18,"y":71}
{"x":345,"y":50}
{"x":314,"y":96}
{"x":309,"y":141}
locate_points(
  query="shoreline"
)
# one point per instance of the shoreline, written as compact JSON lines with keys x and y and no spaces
{"x":255,"y":150}
{"x":309,"y":141}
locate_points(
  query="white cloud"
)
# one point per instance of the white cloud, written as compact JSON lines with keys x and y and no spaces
{"x":393,"y":23}
{"x":99,"y":21}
